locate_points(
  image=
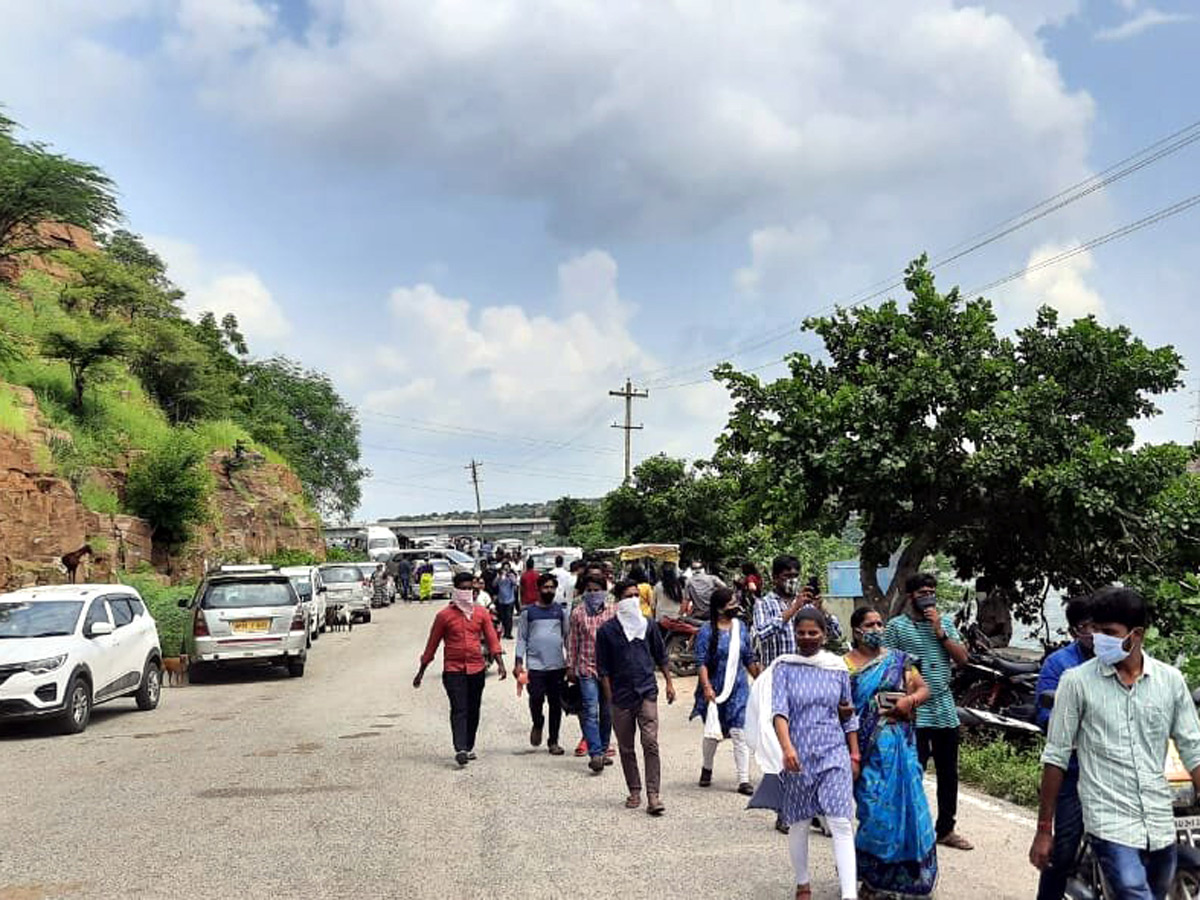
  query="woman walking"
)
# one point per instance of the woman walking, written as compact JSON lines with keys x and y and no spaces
{"x":727,"y":659}
{"x":668,"y":593}
{"x":897,"y":853}
{"x":808,"y":752}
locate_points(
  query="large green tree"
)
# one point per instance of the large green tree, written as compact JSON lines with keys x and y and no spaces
{"x":939,"y":434}
{"x":85,"y":348}
{"x":169,"y":487}
{"x":38,"y":185}
{"x":300,"y":414}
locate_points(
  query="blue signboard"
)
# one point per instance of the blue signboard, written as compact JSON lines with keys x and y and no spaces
{"x":844,"y":580}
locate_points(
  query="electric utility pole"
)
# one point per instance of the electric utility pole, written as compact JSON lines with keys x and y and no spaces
{"x":473,"y":468}
{"x":630,"y":395}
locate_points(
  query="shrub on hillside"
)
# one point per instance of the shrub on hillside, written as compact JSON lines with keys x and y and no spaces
{"x":289,"y":556}
{"x":169,"y":487}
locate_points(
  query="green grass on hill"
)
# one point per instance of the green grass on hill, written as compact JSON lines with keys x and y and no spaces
{"x":163,"y":602}
{"x":12,"y":416}
{"x":98,"y":498}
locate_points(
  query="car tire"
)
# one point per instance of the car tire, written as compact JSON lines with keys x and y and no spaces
{"x":367,"y":618}
{"x":150,"y":691}
{"x":295,"y":667}
{"x":78,"y":711}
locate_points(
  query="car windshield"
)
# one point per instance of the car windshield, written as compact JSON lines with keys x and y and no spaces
{"x":303,"y":587}
{"x":376,"y":543}
{"x":46,"y":619}
{"x":440,"y":565}
{"x":341,"y":575}
{"x":461,"y":558}
{"x":237,"y":595}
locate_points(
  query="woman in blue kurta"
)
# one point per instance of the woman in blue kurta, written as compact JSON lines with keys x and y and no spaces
{"x":713,"y":647}
{"x":897,"y":853}
{"x":820,"y":749}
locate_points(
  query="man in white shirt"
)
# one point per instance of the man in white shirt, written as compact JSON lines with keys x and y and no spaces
{"x":566,"y":582}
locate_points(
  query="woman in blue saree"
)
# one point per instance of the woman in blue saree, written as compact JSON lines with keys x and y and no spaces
{"x":897,"y":853}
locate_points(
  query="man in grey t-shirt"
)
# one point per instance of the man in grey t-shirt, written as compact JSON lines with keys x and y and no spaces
{"x":699,"y":591}
{"x":540,"y":658}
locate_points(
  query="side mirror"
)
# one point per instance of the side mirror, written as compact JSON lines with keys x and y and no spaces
{"x":99,"y":629}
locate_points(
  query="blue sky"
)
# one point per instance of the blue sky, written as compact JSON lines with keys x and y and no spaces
{"x":479,"y":217}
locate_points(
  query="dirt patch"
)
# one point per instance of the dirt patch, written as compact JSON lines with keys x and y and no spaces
{"x":38,"y":891}
{"x":357,"y":735}
{"x":157,"y":734}
{"x":263,"y":793}
{"x":305,"y":749}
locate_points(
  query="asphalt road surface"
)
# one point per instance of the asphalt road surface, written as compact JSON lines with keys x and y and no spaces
{"x":341,"y":784}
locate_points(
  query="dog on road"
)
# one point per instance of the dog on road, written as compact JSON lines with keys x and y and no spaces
{"x":337,"y":618}
{"x":176,"y":668}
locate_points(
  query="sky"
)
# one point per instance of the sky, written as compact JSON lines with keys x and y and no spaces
{"x":481,"y":216}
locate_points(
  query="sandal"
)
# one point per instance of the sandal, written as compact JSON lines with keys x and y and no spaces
{"x":654,"y":805}
{"x":956,"y":841}
{"x":633,"y":801}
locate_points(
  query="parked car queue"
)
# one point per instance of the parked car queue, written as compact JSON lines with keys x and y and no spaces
{"x":64,"y":649}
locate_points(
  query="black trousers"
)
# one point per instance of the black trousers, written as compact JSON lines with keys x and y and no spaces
{"x":546,"y":685}
{"x":466,"y":697}
{"x":506,"y":618}
{"x":941,"y":744}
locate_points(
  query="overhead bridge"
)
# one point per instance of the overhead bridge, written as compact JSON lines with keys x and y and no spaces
{"x":416,"y":529}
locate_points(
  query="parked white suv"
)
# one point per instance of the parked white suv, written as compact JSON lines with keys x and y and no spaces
{"x":65,"y":648}
{"x":308,"y":584}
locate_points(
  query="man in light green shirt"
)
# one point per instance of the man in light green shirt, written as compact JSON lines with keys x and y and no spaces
{"x":1118,"y":711}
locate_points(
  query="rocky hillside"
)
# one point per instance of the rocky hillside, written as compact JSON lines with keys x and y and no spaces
{"x":254,"y":512}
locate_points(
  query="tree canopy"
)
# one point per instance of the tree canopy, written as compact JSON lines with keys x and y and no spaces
{"x":1013,"y":454}
{"x":85,"y":348}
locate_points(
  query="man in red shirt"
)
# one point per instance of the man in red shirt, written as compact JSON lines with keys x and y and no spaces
{"x":529,"y":584}
{"x":463,"y":627}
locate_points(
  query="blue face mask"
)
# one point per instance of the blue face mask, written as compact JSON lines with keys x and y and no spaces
{"x":872,"y":639}
{"x":1109,"y":650}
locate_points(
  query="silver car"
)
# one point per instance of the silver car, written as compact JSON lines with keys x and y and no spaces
{"x":344,"y":586}
{"x":245,"y":619}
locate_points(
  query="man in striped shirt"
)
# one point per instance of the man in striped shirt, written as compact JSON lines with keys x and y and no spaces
{"x":1117,"y":711}
{"x":587,"y":617}
{"x":934,"y":642}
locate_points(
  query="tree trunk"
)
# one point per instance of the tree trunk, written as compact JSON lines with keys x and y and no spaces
{"x":868,"y":576}
{"x":77,"y":380}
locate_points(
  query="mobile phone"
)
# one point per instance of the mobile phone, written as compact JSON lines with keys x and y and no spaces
{"x":814,"y":584}
{"x":888,"y":699}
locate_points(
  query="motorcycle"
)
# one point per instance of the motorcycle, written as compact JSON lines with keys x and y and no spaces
{"x":992,"y":690}
{"x":679,"y":634}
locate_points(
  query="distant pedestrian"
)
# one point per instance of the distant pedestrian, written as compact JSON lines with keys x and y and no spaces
{"x":628,"y":650}
{"x":727,"y":658}
{"x":541,"y":652}
{"x":932,"y":639}
{"x":645,"y":592}
{"x":506,"y":597}
{"x":1117,"y":712}
{"x":562,"y":577}
{"x":1068,"y":813}
{"x":529,"y":583}
{"x":425,"y":580}
{"x":586,"y":619}
{"x":751,"y":582}
{"x":463,"y":627}
{"x":405,"y":569}
{"x":699,"y":590}
{"x":668,"y":593}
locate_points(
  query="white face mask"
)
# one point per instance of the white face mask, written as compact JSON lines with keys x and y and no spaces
{"x":1109,"y":650}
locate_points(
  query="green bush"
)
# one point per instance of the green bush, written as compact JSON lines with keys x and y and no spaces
{"x":12,"y":416}
{"x":292,"y":557}
{"x":163,"y":602}
{"x":338,"y":554}
{"x":1003,"y":769}
{"x":98,"y":498}
{"x":169,"y":487}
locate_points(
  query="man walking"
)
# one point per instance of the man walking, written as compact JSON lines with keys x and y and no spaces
{"x":628,"y":649}
{"x":565,"y":583}
{"x":1068,"y":815}
{"x":541,"y":643}
{"x":463,"y":627}
{"x":934,"y":641}
{"x":1117,"y":712}
{"x":506,"y":598}
{"x":529,"y":584}
{"x":697,"y":594}
{"x":586,"y":619}
{"x":404,"y":569}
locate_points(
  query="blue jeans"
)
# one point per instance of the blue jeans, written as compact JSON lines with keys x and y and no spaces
{"x":1068,"y":832}
{"x":1135,"y":874}
{"x":596,"y":718}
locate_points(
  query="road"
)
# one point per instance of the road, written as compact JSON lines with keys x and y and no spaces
{"x":341,"y":784}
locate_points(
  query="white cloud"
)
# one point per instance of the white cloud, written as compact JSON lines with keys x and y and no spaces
{"x":1142,"y":22}
{"x":1063,"y":285}
{"x":715,"y":110}
{"x":222,"y":288}
{"x":780,"y":252}
{"x":214,"y":29}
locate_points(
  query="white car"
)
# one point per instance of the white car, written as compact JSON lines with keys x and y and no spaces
{"x":65,"y":648}
{"x":308,"y":584}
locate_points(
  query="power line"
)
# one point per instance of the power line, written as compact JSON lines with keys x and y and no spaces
{"x":451,"y":430}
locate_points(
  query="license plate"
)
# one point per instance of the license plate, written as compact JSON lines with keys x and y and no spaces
{"x":1187,"y":830}
{"x":251,"y":626}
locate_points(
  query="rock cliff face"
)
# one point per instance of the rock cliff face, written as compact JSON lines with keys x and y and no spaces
{"x":255,"y":511}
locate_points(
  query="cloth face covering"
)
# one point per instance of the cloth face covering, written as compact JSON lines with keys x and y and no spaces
{"x":633,"y":623}
{"x":464,"y":600}
{"x":594,"y":601}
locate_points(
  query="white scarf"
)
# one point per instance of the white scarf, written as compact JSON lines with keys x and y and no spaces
{"x":633,"y":623}
{"x":464,"y":601}
{"x":760,"y":714}
{"x":733,"y":662}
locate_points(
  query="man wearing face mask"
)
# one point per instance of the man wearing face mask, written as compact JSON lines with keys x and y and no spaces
{"x":932,"y":639}
{"x":773,"y":614}
{"x":592,"y":612}
{"x":1068,"y":817}
{"x":1117,"y":712}
{"x":463,"y":626}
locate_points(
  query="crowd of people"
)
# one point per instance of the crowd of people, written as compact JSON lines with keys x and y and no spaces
{"x":842,"y":739}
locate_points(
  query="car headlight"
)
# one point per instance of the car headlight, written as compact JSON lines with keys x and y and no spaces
{"x":42,"y":666}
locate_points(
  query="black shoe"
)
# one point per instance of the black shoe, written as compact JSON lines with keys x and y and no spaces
{"x":461,"y":757}
{"x":781,"y":826}
{"x":535,"y":736}
{"x":596,"y":764}
{"x":705,"y":777}
{"x":746,"y":788}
